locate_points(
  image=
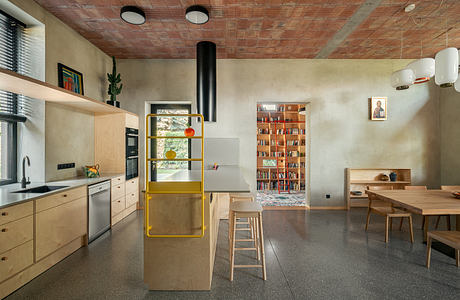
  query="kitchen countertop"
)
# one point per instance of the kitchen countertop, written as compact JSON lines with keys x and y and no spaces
{"x":8,"y":198}
{"x":226,"y":179}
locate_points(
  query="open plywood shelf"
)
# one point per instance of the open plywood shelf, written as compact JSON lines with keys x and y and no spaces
{"x":281,"y":131}
{"x":359,"y":179}
{"x":23,"y":85}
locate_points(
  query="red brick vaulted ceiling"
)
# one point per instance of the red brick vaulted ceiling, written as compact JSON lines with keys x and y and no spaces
{"x":264,"y":28}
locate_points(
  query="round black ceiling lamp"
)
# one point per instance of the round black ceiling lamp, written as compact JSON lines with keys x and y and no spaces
{"x":197,"y":14}
{"x":132,"y":15}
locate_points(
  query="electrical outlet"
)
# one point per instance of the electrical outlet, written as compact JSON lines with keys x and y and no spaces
{"x":328,"y":196}
{"x":65,"y":166}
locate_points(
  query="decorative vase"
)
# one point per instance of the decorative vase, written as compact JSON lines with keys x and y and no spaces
{"x":384,"y":177}
{"x":189,"y":132}
{"x":393,"y":176}
{"x":170,"y":154}
{"x":114,"y":103}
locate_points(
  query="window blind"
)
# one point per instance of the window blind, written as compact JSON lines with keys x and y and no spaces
{"x":14,"y":56}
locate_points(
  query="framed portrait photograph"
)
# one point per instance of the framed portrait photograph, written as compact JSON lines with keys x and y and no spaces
{"x":70,"y":79}
{"x":379,"y":108}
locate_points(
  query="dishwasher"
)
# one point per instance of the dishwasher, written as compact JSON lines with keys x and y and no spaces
{"x":98,"y":209}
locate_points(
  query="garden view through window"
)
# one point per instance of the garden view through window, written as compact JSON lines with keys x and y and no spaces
{"x":170,"y":126}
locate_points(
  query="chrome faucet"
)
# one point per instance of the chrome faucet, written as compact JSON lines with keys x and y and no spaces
{"x":25,"y":182}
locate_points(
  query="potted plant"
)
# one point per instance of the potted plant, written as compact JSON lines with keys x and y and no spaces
{"x":114,"y":89}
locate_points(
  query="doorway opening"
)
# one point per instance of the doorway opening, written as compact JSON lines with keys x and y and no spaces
{"x":168,"y":126}
{"x":281,"y":154}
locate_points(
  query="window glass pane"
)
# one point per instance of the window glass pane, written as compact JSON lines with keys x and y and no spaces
{"x":6,"y":148}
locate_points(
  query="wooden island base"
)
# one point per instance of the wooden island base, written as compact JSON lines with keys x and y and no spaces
{"x":180,"y":263}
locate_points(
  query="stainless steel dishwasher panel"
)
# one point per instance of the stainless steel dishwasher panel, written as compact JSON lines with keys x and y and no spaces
{"x":98,"y":209}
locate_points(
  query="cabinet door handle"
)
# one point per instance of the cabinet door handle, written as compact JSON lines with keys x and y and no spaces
{"x":65,"y":195}
{"x":118,"y":186}
{"x":5,"y":213}
{"x":119,"y":201}
{"x":4,"y":258}
{"x":4,"y":229}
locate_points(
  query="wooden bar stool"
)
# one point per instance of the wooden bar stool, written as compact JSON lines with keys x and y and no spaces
{"x":245,"y":209}
{"x":252,"y":224}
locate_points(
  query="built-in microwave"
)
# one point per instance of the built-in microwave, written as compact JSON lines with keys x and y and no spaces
{"x":132,"y":152}
{"x":132,"y":142}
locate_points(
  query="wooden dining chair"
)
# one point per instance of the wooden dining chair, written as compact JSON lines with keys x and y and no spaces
{"x":446,"y":188}
{"x":386,"y":209}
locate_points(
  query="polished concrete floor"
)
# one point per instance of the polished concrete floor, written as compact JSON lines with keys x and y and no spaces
{"x":318,"y":254}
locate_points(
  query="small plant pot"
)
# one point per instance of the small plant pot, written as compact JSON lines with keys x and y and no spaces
{"x":114,"y":103}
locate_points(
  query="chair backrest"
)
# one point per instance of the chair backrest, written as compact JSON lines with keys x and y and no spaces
{"x":375,"y":202}
{"x":450,"y":187}
{"x":415,"y":187}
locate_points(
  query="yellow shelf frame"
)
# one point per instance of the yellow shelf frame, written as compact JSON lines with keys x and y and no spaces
{"x":173,"y":187}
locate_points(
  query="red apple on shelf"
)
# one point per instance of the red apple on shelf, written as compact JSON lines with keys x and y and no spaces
{"x":189,"y":132}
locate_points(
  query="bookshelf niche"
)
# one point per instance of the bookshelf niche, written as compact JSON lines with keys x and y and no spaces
{"x":281,"y":148}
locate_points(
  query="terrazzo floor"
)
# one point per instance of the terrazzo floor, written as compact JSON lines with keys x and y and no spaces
{"x":310,"y":254}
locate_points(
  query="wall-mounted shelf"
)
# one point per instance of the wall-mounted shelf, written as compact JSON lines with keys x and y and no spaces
{"x":23,"y":85}
{"x":359,"y":179}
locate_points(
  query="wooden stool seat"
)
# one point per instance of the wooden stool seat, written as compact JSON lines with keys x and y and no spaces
{"x":246,"y":207}
{"x":252,"y":211}
{"x":450,"y":238}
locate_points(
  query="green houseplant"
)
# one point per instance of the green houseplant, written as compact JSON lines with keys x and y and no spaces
{"x":114,"y":89}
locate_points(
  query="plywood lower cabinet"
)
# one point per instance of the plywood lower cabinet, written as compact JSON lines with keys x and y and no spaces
{"x":32,"y":241}
{"x":125,"y":195}
{"x":59,"y":226}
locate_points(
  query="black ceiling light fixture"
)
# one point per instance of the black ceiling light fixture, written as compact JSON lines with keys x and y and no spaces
{"x":132,"y":15}
{"x":197,"y":14}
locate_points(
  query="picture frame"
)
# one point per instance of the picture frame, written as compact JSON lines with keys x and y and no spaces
{"x":70,"y":79}
{"x":379,"y":108}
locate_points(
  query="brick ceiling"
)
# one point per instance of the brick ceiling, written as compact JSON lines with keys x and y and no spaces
{"x":265,"y":28}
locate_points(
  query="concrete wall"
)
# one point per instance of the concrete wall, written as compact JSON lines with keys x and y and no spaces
{"x":338,"y":90}
{"x":69,"y":134}
{"x":449,"y":111}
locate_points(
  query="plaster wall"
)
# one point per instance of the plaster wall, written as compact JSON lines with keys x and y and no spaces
{"x":341,"y":133}
{"x":69,"y":134}
{"x":450,"y":136}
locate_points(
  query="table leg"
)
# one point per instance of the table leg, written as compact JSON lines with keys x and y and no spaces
{"x":457,"y":222}
{"x":425,"y":227}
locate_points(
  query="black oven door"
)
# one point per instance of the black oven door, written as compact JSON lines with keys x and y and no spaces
{"x":132,"y":166}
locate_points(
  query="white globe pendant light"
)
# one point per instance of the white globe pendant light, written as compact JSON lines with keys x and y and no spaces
{"x":423,"y":68}
{"x":402,"y":79}
{"x":446,"y":67}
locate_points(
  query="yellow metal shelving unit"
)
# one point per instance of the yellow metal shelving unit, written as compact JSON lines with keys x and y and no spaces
{"x":173,"y":187}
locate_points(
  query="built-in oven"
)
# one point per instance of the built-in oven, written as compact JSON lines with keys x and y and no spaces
{"x":132,"y":152}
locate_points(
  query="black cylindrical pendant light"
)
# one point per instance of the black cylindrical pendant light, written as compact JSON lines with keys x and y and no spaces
{"x":206,"y":80}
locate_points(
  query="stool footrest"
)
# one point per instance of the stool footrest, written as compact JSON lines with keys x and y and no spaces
{"x":246,"y":249}
{"x":245,"y":240}
{"x":244,"y":229}
{"x":242,"y":223}
{"x":248,"y":266}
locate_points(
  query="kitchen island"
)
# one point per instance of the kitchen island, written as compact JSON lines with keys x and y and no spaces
{"x":182,"y":263}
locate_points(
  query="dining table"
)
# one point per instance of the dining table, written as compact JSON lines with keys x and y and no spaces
{"x":423,"y":202}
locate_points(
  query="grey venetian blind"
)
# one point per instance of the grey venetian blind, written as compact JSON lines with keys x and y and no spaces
{"x":14,"y":56}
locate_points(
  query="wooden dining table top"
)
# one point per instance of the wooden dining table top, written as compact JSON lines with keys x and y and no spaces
{"x":429,"y":202}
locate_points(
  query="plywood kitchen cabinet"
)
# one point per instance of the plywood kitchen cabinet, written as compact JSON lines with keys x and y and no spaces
{"x":58,"y":226}
{"x":37,"y":234}
{"x":110,"y":154}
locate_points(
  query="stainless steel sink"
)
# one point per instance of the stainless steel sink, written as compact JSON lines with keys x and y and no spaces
{"x":42,"y":189}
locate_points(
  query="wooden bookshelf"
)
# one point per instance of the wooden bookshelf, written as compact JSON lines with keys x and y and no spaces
{"x":359,"y":179}
{"x":281,"y":148}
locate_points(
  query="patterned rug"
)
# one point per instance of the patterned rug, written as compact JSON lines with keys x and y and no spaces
{"x":275,"y":199}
